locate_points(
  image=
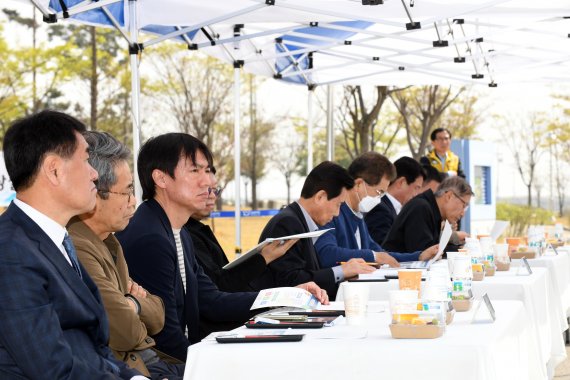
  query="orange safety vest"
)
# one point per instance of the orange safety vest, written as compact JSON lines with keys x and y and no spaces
{"x":451,"y":161}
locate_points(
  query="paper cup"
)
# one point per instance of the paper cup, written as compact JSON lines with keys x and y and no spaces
{"x":410,"y":279}
{"x":501,"y":250}
{"x":355,"y":302}
{"x":450,"y":257}
{"x":462,"y":267}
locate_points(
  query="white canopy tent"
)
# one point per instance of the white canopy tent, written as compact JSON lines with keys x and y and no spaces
{"x":325,"y":42}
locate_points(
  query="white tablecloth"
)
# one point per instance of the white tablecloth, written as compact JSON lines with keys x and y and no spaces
{"x":480,"y":351}
{"x":536,"y":292}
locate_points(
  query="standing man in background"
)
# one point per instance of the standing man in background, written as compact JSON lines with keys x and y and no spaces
{"x":441,"y":157}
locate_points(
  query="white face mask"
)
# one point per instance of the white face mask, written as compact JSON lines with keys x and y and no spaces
{"x":368,"y":203}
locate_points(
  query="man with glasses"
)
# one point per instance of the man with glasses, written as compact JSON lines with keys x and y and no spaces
{"x":133,"y":313}
{"x":211,"y":256}
{"x":441,"y":157}
{"x":175,"y":174}
{"x":419,"y":223}
{"x":372,"y":172}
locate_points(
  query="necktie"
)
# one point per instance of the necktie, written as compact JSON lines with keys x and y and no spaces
{"x":70,"y":249}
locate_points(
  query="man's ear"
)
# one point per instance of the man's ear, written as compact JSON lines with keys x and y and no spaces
{"x":158,"y":178}
{"x":321,"y":196}
{"x":52,"y":169}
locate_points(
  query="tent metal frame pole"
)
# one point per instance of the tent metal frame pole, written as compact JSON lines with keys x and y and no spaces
{"x":46,"y":12}
{"x":135,"y":95}
{"x":87,"y":6}
{"x":200,"y":25}
{"x":310,"y":129}
{"x":237,"y":158}
{"x":330,"y":135}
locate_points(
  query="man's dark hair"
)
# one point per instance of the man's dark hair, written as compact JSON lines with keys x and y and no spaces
{"x":408,"y":168}
{"x":163,"y":153}
{"x":372,"y":167}
{"x":434,"y":133}
{"x":31,"y":138}
{"x":432,"y":174}
{"x":327,"y":176}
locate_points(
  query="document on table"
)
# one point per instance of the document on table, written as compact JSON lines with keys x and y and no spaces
{"x":292,"y":297}
{"x":498,"y":228}
{"x":255,"y":250}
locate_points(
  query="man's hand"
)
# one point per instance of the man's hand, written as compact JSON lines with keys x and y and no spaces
{"x":315,"y":290}
{"x":385,"y":258}
{"x":429,"y":253}
{"x":135,"y":290}
{"x":355,"y":267}
{"x":462,"y":235}
{"x":276,"y":249}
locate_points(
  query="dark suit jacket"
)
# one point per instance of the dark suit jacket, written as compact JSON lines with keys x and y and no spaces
{"x":212,"y":258}
{"x":380,"y":219}
{"x":52,"y":322}
{"x":150,"y":250}
{"x":300,"y":264}
{"x":417,"y":226}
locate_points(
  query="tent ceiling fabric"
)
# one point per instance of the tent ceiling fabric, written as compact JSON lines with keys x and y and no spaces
{"x":317,"y":42}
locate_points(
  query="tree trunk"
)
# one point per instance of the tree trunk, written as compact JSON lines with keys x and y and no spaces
{"x":35,"y":102}
{"x":529,"y":194}
{"x":93,"y":79}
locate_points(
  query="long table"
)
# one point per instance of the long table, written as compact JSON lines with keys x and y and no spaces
{"x":541,"y":298}
{"x":504,"y":349}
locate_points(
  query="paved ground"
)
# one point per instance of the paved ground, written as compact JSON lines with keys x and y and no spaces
{"x":563,"y":370}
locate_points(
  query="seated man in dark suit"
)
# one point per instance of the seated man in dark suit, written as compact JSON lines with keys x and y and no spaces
{"x":52,"y":320}
{"x":372,"y":173}
{"x":174,"y":171}
{"x":432,"y":178}
{"x":419,"y":223}
{"x":323,"y":192}
{"x":133,"y":312}
{"x":212,"y":258}
{"x":406,"y":185}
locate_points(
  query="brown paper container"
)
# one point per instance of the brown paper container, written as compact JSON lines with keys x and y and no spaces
{"x":400,"y":331}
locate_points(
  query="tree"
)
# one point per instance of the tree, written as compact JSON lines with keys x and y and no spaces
{"x":524,"y":139}
{"x":420,"y":109}
{"x":462,"y":117}
{"x":359,"y":119}
{"x":289,"y":157}
{"x":256,"y":139}
{"x":195,"y":92}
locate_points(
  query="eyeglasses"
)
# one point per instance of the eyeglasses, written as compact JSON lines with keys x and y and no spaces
{"x":465,"y":204}
{"x":130,"y":194}
{"x":216,"y":190}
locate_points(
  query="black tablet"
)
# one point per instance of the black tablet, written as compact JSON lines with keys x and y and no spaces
{"x":318,"y":313}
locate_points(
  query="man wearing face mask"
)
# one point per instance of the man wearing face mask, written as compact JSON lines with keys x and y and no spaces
{"x":372,"y":173}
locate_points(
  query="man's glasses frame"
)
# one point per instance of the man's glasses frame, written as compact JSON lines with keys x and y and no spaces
{"x":129,"y":194}
{"x":465,"y":204}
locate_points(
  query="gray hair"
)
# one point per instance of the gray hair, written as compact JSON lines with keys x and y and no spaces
{"x":456,"y":184}
{"x":105,"y":152}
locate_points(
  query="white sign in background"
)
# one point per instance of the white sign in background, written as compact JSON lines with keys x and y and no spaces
{"x":7,"y":193}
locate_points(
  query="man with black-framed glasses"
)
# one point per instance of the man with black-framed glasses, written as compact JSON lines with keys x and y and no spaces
{"x":133,"y":313}
{"x":420,"y":221}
